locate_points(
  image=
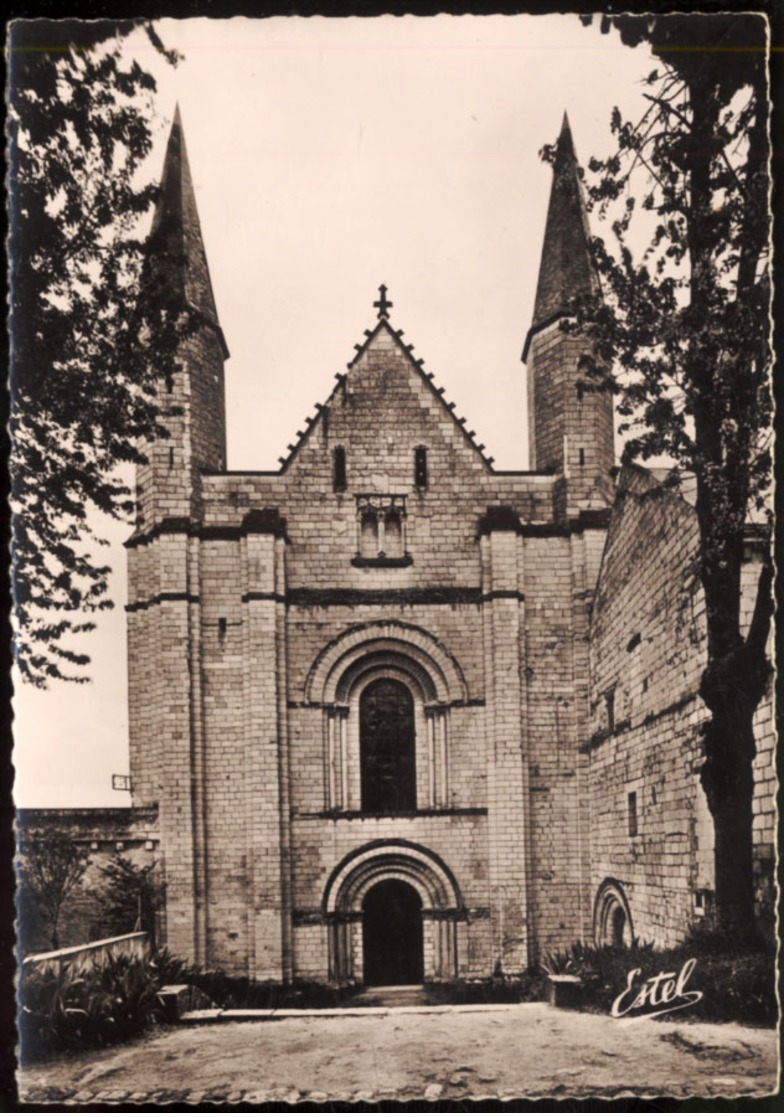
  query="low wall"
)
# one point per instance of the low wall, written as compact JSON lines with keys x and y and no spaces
{"x":136,"y":945}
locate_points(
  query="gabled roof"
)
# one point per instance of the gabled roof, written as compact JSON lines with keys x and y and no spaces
{"x":416,"y":364}
{"x":565,"y":270}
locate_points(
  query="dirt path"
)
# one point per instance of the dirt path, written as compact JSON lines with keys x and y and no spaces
{"x":521,"y":1051}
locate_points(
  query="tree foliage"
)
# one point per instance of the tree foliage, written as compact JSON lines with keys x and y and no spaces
{"x":90,"y":326}
{"x":131,"y":895}
{"x":51,"y":870}
{"x":682,"y":338}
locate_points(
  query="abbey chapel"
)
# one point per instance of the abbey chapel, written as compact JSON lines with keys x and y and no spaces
{"x":397,"y":715}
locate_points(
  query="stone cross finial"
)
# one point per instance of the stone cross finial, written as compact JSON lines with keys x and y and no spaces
{"x":382,"y":303}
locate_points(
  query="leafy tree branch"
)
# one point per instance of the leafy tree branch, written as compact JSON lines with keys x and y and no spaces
{"x":92,"y":328}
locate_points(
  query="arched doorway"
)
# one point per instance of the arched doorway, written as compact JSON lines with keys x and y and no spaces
{"x":392,"y":934}
{"x":387,"y":747}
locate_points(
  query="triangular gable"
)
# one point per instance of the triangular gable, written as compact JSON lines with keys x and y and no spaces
{"x":416,"y":364}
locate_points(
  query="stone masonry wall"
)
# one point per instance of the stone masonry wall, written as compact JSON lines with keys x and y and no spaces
{"x":647,"y":654}
{"x":562,"y":411}
{"x":560,"y":574}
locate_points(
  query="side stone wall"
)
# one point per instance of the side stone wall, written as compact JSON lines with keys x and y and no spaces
{"x":651,"y":831}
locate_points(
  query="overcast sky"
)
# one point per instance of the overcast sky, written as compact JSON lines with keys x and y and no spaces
{"x":330,"y":156}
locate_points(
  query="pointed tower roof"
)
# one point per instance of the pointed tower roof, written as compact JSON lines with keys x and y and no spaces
{"x":565,"y":270}
{"x":177,"y":229}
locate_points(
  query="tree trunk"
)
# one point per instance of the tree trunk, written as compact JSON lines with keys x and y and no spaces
{"x":728,"y":782}
{"x":732,"y":687}
{"x":734,"y":679}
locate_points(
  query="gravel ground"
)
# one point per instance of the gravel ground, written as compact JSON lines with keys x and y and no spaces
{"x":528,"y":1050}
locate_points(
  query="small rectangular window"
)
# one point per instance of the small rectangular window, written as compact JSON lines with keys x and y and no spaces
{"x":579,"y":393}
{"x":339,"y":469}
{"x":420,"y":467}
{"x":632,"y":814}
{"x":582,"y":456}
{"x":171,"y":457}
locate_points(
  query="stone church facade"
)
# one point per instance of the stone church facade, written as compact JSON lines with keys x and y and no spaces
{"x":370,"y":691}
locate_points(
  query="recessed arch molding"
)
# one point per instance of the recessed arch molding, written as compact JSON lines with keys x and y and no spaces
{"x":383,"y":858}
{"x":408,"y":647}
{"x":612,"y":915}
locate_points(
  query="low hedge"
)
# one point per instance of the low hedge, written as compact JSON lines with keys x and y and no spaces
{"x":529,"y":986}
{"x":735,"y":986}
{"x":228,"y":991}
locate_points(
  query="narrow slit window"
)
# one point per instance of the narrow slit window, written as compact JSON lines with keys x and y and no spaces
{"x":339,"y":469}
{"x":582,"y":456}
{"x":579,"y":393}
{"x":632,"y":814}
{"x":420,"y":467}
{"x":171,"y":457}
{"x":609,"y":699}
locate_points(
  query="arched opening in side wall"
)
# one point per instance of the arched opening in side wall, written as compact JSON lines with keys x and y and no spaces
{"x":612,"y":917}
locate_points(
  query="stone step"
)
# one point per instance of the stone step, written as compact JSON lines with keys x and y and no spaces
{"x":390,"y":996}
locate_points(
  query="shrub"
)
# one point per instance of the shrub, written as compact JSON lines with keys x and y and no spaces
{"x":739,"y":987}
{"x":229,"y":991}
{"x":65,"y":1007}
{"x":529,"y":986}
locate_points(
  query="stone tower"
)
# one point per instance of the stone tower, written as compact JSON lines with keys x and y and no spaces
{"x":570,"y":429}
{"x":164,"y":643}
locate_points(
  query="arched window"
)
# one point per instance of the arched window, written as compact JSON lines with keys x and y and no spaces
{"x":387,"y":747}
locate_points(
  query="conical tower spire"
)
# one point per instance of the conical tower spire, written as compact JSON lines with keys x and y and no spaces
{"x":566,"y":270}
{"x":570,"y":431}
{"x":176,"y":232}
{"x":191,"y":388}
